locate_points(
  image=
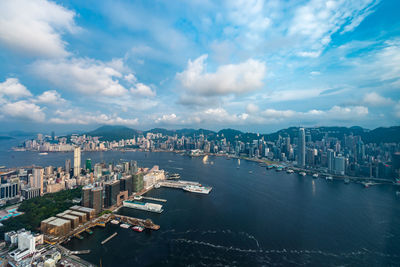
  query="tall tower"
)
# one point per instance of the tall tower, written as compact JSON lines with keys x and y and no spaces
{"x":68,"y":166}
{"x":77,"y":161}
{"x":37,"y":181}
{"x":302,"y":148}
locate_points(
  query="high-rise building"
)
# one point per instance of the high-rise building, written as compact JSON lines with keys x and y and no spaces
{"x":301,"y":157}
{"x":133,"y":167}
{"x":126,"y":184}
{"x":88,"y":165}
{"x":77,"y":161}
{"x":86,"y":196}
{"x":138,"y":182}
{"x":96,"y":199}
{"x":339,"y":165}
{"x":98,"y":170}
{"x":37,"y":181}
{"x":331,"y":160}
{"x":68,"y":166}
{"x":111,"y":192}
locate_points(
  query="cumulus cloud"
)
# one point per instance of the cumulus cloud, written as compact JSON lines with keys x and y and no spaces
{"x":87,"y":76}
{"x":75,"y":116}
{"x":228,"y":79}
{"x":252,"y":108}
{"x":374,"y":99}
{"x":167,"y":119}
{"x":23,"y":110}
{"x":11,"y":87}
{"x":50,"y":97}
{"x":34,"y":27}
{"x":143,"y":90}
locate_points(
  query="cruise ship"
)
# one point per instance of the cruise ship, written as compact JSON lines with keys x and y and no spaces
{"x":197,"y":189}
{"x":143,"y":206}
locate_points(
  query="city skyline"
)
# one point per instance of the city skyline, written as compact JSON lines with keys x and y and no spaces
{"x":250,"y":65}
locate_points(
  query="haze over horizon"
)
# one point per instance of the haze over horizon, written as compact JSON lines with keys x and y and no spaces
{"x":256,"y":66}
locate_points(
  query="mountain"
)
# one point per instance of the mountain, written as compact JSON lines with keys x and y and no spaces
{"x":378,"y":135}
{"x":111,"y":133}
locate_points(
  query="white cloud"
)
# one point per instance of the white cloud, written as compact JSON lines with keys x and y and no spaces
{"x":167,"y":119}
{"x":23,"y":110}
{"x":315,"y":73}
{"x":75,"y":116}
{"x":13,"y":88}
{"x":50,"y":97}
{"x":252,"y":108}
{"x":143,"y":90}
{"x":228,"y":79}
{"x":318,"y":20}
{"x":34,"y":27}
{"x":374,"y":99}
{"x":397,"y":110}
{"x":87,"y":76}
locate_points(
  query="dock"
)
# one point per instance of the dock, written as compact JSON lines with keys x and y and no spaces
{"x":177,"y":184}
{"x":109,"y":238}
{"x":135,"y":221}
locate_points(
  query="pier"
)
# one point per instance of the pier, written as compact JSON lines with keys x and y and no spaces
{"x":109,"y":238}
{"x":177,"y":184}
{"x":135,"y":221}
{"x":79,"y":252}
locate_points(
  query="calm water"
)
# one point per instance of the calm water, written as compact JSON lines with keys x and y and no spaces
{"x":263,"y":218}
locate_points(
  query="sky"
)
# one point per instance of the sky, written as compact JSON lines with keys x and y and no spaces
{"x":251,"y":65}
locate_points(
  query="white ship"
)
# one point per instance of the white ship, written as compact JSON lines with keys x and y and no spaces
{"x":124,"y":225}
{"x":115,"y":222}
{"x":143,"y":206}
{"x":315,"y":175}
{"x":302,"y":173}
{"x":290,"y":171}
{"x":205,"y":159}
{"x":197,"y":189}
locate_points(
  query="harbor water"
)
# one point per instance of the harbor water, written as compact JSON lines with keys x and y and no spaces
{"x":253,"y":216}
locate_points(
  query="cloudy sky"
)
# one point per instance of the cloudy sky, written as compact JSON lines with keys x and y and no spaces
{"x":251,"y":65}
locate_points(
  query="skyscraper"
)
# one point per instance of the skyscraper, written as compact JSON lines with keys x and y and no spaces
{"x":88,"y":165}
{"x":77,"y":161}
{"x":301,"y":159}
{"x":68,"y":166}
{"x":331,"y":160}
{"x":37,"y":181}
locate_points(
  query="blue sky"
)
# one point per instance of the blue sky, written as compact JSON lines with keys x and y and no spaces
{"x":251,"y":65}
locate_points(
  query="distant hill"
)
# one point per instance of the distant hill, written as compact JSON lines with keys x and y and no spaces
{"x":378,"y":135}
{"x":111,"y":133}
{"x":6,"y":137}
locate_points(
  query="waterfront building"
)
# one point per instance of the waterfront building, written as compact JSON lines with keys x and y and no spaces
{"x":86,"y":195}
{"x":339,"y":165}
{"x":90,"y":213}
{"x":77,"y":161}
{"x":301,"y":157}
{"x":55,"y":227}
{"x":9,"y":191}
{"x":126,"y":184}
{"x":133,"y":167}
{"x":137,"y":182}
{"x":37,"y":181}
{"x":331,"y":160}
{"x":98,"y":170}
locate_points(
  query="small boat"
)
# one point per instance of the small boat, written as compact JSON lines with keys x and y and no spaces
{"x":157,"y":186}
{"x":270,"y":167}
{"x":250,"y":171}
{"x":125,"y":226}
{"x":302,"y":173}
{"x":290,"y":171}
{"x":347,"y":180}
{"x":315,"y":175}
{"x":138,"y":228}
{"x":137,"y":197}
{"x":279,"y":168}
{"x":329,"y":178}
{"x":115,"y":222}
{"x":43,"y":154}
{"x":174,"y":176}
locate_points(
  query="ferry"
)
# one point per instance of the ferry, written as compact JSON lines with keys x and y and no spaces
{"x":43,"y":154}
{"x":174,"y":176}
{"x":315,"y":175}
{"x":270,"y":167}
{"x":329,"y":178}
{"x":125,"y":226}
{"x":114,"y":222}
{"x":138,"y":228}
{"x":290,"y":171}
{"x":197,"y":189}
{"x":302,"y":173}
{"x":143,"y":206}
